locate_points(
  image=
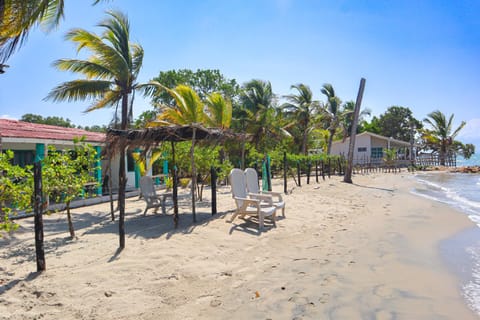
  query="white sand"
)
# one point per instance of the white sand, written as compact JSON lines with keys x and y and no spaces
{"x":367,"y":250}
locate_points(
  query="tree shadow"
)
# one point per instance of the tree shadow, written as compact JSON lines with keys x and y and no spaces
{"x":4,"y":287}
{"x":375,"y":188}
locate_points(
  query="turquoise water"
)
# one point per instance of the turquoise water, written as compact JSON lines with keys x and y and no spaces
{"x":461,"y":191}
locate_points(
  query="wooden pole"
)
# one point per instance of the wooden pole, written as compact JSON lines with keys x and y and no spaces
{"x":175,"y":196}
{"x":298,"y":174}
{"x":316,"y":171}
{"x":213,"y":178}
{"x":39,"y":249}
{"x":285,"y":172}
{"x":348,"y":172}
{"x":194,"y":174}
{"x":309,"y":168}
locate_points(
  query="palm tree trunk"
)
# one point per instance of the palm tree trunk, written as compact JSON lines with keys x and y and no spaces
{"x":330,"y":140}
{"x":304,"y":142}
{"x":121,"y":173}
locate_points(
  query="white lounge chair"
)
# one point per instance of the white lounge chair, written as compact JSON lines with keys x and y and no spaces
{"x":253,"y":189}
{"x":245,"y":204}
{"x":150,"y":196}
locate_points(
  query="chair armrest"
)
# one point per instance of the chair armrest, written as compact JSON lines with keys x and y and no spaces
{"x":249,"y":201}
{"x":275,"y":194}
{"x":262,"y":197}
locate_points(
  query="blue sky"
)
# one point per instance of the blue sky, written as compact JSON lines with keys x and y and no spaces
{"x":423,"y":55}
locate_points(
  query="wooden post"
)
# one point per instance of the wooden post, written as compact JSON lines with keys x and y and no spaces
{"x":298,"y":174}
{"x":323,"y":170}
{"x":285,"y":172}
{"x":316,"y":171}
{"x":329,"y":167}
{"x":213,"y":178}
{"x":194,"y":174}
{"x":39,"y":249}
{"x":309,"y":168}
{"x":175,"y":196}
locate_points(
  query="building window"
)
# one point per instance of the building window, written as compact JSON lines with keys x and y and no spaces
{"x":377,"y":152}
{"x":130,"y":162}
{"x":362,"y":149}
{"x":23,"y":158}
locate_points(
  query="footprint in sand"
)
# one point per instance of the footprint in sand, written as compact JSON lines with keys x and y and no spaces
{"x":324,"y":298}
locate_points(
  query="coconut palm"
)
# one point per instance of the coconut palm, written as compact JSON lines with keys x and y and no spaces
{"x":110,"y":75}
{"x":331,"y":113}
{"x":219,"y":111}
{"x":441,"y":137}
{"x":18,"y":17}
{"x":257,"y":110}
{"x":302,"y":108}
{"x":187,"y":110}
{"x":348,"y":109}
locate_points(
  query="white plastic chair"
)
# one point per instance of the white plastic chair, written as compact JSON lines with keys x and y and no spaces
{"x":254,"y":190}
{"x":245,"y":204}
{"x":150,"y":196}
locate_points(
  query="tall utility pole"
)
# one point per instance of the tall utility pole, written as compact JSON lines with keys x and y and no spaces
{"x":348,"y":172}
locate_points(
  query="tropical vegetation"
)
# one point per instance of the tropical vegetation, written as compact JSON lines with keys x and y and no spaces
{"x":441,"y":136}
{"x":110,"y":77}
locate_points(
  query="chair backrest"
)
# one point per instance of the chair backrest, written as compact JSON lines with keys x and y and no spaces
{"x":252,"y":180}
{"x":237,"y":184}
{"x":146,"y":188}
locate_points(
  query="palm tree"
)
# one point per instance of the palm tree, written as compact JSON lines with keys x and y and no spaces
{"x":257,"y":110}
{"x":302,"y":108}
{"x":331,"y":113}
{"x":219,"y":111}
{"x":187,"y":110}
{"x":349,"y":108}
{"x":18,"y":17}
{"x":441,"y":137}
{"x":110,"y":77}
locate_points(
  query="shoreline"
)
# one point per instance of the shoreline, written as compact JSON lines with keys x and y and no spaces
{"x":370,"y":249}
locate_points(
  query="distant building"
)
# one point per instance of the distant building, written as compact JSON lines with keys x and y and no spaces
{"x":370,"y":148}
{"x":29,"y":143}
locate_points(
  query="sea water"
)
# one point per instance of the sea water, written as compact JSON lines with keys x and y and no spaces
{"x":461,"y":191}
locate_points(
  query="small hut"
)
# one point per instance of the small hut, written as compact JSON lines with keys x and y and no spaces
{"x":151,"y":137}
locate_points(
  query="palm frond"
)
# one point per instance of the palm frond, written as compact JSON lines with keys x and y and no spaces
{"x":88,"y":68}
{"x":79,"y":90}
{"x":109,"y":99}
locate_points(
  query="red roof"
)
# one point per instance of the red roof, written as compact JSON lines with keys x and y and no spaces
{"x":20,"y":129}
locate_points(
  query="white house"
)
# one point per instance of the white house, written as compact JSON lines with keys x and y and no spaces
{"x":369,"y":148}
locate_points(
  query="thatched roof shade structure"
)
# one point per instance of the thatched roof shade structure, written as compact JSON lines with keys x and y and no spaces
{"x":151,"y":137}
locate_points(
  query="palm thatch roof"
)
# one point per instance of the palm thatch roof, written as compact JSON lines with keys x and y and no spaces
{"x":151,"y":137}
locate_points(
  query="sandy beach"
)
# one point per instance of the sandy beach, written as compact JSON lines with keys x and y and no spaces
{"x":368,"y":250}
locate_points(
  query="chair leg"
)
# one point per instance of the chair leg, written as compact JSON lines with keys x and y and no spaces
{"x":233,"y":217}
{"x":261,"y":219}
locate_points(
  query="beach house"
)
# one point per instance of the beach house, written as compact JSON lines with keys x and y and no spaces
{"x":30,"y":141}
{"x":370,"y":148}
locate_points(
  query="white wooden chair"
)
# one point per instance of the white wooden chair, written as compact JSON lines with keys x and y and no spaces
{"x":151,"y":197}
{"x":247,"y":205}
{"x":253,"y":189}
